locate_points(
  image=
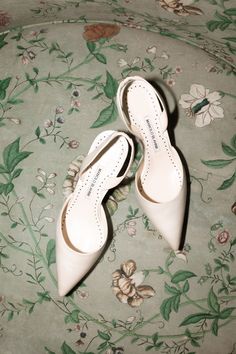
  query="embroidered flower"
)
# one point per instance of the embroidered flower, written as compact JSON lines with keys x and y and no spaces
{"x":73,"y":144}
{"x":122,"y":62}
{"x":223,"y":237}
{"x":102,"y":30}
{"x":127,"y":286}
{"x":178,"y":70}
{"x":233,"y":208}
{"x":180,"y":8}
{"x":75,"y":104}
{"x":151,"y":49}
{"x":202,"y":104}
{"x":4,"y":19}
{"x":130,"y":227}
{"x":48,"y":123}
{"x":170,"y":82}
{"x":164,"y":55}
{"x":25,"y":60}
{"x":59,"y":109}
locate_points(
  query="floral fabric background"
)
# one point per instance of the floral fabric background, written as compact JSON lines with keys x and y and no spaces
{"x":60,"y":66}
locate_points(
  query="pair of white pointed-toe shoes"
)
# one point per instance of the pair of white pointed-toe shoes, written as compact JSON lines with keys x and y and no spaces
{"x":160,"y":183}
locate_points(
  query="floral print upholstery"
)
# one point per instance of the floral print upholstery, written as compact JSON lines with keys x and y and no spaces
{"x":60,"y":65}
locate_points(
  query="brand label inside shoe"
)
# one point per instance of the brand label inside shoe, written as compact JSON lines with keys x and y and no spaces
{"x":94,"y":180}
{"x":152,"y":133}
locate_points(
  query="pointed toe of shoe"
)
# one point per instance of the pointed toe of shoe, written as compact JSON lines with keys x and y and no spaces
{"x":167,"y":217}
{"x":72,"y":265}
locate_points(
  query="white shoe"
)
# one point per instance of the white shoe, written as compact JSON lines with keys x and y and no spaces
{"x":82,"y":225}
{"x":160,"y":179}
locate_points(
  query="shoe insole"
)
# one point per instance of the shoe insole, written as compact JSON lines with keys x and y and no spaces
{"x":85,"y":219}
{"x":161,"y":176}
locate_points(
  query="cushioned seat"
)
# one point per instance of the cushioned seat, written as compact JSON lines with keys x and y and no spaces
{"x":60,"y":66}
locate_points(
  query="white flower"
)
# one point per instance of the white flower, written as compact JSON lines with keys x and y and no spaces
{"x":51,"y":191}
{"x":202,"y":104}
{"x":136,"y":60}
{"x":52,"y":175}
{"x":48,"y":206}
{"x":48,"y":123}
{"x":48,"y":219}
{"x":151,"y":49}
{"x":41,"y":172}
{"x":40,"y":178}
{"x":170,"y":82}
{"x":122,"y":62}
{"x":15,"y":121}
{"x":59,"y":109}
{"x":164,"y":55}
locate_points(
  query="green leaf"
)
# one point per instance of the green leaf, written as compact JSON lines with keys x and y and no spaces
{"x":10,"y":152}
{"x":111,"y":86}
{"x":227,"y":183}
{"x":5,"y":83}
{"x":42,"y":141}
{"x":155,"y":337}
{"x":212,"y":25}
{"x":15,"y":101}
{"x":17,"y":159}
{"x":43,"y":297}
{"x":3,"y":255}
{"x":73,"y":317}
{"x":165,"y":308}
{"x":171,"y":289}
{"x":66,"y":349}
{"x":228,"y":150}
{"x":106,"y":116}
{"x":186,"y":287}
{"x":149,"y":347}
{"x":216,"y":226}
{"x":105,"y":336}
{"x":37,"y":132}
{"x":176,"y":302}
{"x":182,"y":275}
{"x":220,"y":163}
{"x":196,"y":318}
{"x":215,"y":327}
{"x":12,"y":156}
{"x":212,"y":301}
{"x":36,"y":70}
{"x":16,"y":173}
{"x":2,"y":42}
{"x":2,"y":169}
{"x":10,"y":315}
{"x":34,"y":189}
{"x":233,"y":141}
{"x":100,"y":57}
{"x":230,"y":12}
{"x":8,"y":188}
{"x":91,"y":46}
{"x":51,"y":252}
{"x":224,"y":314}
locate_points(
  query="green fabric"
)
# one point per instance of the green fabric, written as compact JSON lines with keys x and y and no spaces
{"x":60,"y":66}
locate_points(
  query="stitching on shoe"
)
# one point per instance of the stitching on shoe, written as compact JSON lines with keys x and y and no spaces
{"x":146,"y":138}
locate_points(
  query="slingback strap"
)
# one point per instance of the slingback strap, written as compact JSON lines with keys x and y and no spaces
{"x":90,"y":159}
{"x":120,"y":92}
